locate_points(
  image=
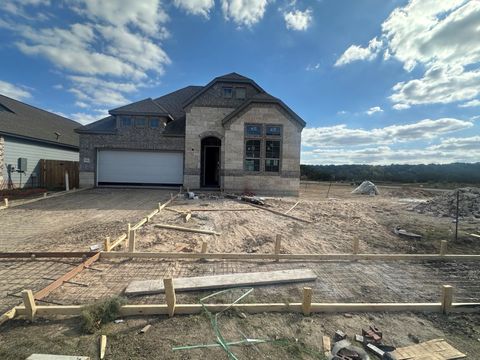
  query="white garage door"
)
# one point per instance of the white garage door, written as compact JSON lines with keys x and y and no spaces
{"x":139,"y":168}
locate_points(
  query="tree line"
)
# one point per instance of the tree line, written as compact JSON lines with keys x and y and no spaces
{"x":449,"y":173}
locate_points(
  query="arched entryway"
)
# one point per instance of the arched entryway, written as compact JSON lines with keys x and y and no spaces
{"x":210,"y":162}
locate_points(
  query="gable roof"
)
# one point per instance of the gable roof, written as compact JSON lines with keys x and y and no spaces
{"x":232,"y":78}
{"x":28,"y":122}
{"x":142,"y":107}
{"x":173,"y":102}
{"x":263,"y":98}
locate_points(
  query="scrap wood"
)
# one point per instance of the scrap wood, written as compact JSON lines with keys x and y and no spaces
{"x":401,"y":232}
{"x":327,"y":345}
{"x":475,"y":235}
{"x":103,"y":346}
{"x":146,"y":287}
{"x":436,"y":349}
{"x":281,"y":213}
{"x":56,"y":357}
{"x":293,"y":207}
{"x":180,"y":228}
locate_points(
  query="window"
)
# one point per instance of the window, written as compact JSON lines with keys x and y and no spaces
{"x":252,"y":155}
{"x":126,"y":121}
{"x":154,"y":123}
{"x":273,"y":130}
{"x":263,"y":147}
{"x":253,"y":130}
{"x":227,"y":92}
{"x":140,"y":122}
{"x":240,"y":93}
{"x":272,"y":155}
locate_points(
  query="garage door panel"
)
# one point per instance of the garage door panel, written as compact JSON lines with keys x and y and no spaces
{"x":139,"y":167}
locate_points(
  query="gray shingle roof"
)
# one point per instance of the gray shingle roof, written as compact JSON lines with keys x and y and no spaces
{"x":142,"y":107}
{"x":27,"y":121}
{"x":173,"y":102}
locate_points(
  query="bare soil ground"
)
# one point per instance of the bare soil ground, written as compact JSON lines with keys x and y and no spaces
{"x":336,"y":221}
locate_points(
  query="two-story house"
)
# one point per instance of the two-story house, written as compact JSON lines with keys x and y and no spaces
{"x":228,"y":134}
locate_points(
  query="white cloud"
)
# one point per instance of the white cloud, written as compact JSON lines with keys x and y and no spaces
{"x":401,"y":106}
{"x":244,"y":12}
{"x":113,"y":48}
{"x":87,"y":118}
{"x":356,"y":53}
{"x":374,"y":110}
{"x":196,"y":7}
{"x":298,"y":20}
{"x":441,"y":36}
{"x":313,"y":67}
{"x":471,"y":103}
{"x":341,"y":135}
{"x":14,"y":91}
{"x":455,"y":144}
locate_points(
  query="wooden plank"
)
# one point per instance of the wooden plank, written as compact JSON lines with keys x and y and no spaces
{"x":39,"y":254}
{"x":280,"y":213}
{"x":447,"y":298}
{"x":69,"y":275}
{"x":8,"y":315}
{"x":103,"y":346}
{"x":307,"y":300}
{"x":293,"y":207}
{"x":29,"y":303}
{"x":327,"y":345}
{"x":170,"y":295}
{"x":206,"y":209}
{"x":145,"y":287}
{"x":139,"y":224}
{"x":475,"y":235}
{"x":162,"y":309}
{"x":433,"y":349}
{"x":56,"y":357}
{"x":119,"y":241}
{"x":180,"y":228}
{"x":305,"y":257}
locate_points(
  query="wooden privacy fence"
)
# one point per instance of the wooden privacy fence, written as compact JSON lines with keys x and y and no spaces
{"x":52,"y":174}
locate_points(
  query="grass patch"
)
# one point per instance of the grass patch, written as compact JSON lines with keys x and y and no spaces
{"x":95,"y":315}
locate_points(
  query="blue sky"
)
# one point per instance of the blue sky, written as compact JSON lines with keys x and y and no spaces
{"x":377,"y":81}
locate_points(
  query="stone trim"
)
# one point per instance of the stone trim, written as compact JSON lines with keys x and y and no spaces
{"x":191,"y":171}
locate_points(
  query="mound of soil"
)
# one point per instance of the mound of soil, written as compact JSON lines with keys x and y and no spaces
{"x":446,"y":204}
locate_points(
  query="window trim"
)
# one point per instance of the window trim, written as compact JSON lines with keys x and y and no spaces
{"x":263,"y":138}
{"x":137,"y":126}
{"x":259,"y":158}
{"x":245,"y":93}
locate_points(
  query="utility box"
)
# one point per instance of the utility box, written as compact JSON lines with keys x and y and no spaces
{"x":22,"y":165}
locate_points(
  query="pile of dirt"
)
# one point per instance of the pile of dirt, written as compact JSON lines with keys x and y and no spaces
{"x":366,"y":188}
{"x":446,"y":204}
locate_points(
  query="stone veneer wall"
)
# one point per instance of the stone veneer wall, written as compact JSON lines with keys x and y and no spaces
{"x":125,"y":139}
{"x":2,"y":158}
{"x":233,"y":175}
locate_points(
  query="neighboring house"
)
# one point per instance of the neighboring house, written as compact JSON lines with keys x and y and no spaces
{"x":228,"y":134}
{"x":30,"y":133}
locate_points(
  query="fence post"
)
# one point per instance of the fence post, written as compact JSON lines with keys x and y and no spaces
{"x":443,"y":247}
{"x":29,"y":302}
{"x":5,"y":200}
{"x":278,"y":245}
{"x":170,"y":295}
{"x":447,"y":298}
{"x":356,"y":246}
{"x":307,"y":300}
{"x":131,"y":240}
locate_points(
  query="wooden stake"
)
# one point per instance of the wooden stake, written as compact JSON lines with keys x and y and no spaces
{"x":307,"y":300}
{"x":327,"y":345}
{"x":44,"y":195}
{"x":356,"y":246}
{"x":29,"y":303}
{"x":278,"y":244}
{"x":187,"y":217}
{"x":443,"y":247}
{"x":106,"y":244}
{"x":170,"y":295}
{"x":103,"y":346}
{"x":6,"y":202}
{"x":131,"y":240}
{"x":204,"y":247}
{"x":447,"y":298}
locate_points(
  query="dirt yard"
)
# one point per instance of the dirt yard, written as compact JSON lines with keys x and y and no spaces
{"x":76,"y":221}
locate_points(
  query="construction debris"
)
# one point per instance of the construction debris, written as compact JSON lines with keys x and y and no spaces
{"x":56,"y":357}
{"x":446,"y":203}
{"x":401,"y":232}
{"x":147,"y":287}
{"x":437,"y":349}
{"x":344,"y":350}
{"x":366,"y":188}
{"x":145,"y":329}
{"x":103,"y":346}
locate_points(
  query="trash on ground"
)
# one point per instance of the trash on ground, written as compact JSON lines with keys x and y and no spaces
{"x":402,"y":232}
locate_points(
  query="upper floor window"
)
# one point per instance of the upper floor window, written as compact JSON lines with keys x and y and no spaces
{"x":154,"y":123}
{"x":253,"y":130}
{"x":227,"y":92}
{"x":273,"y":130}
{"x":126,"y":121}
{"x":140,"y":122}
{"x":240,"y":93}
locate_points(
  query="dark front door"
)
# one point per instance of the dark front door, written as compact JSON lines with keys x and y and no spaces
{"x":211,"y":162}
